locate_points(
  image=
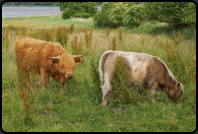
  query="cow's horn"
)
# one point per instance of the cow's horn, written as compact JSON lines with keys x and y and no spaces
{"x":79,"y":56}
{"x":53,"y":58}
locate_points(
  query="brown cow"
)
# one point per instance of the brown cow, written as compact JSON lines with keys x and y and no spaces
{"x":45,"y":58}
{"x":148,"y":72}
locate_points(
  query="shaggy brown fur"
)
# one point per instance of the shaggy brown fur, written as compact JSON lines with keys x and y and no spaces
{"x":33,"y":53}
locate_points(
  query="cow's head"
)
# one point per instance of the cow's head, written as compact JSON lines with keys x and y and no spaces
{"x":175,"y":94}
{"x":66,"y":63}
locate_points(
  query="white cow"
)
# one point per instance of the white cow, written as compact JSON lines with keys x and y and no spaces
{"x":148,"y":72}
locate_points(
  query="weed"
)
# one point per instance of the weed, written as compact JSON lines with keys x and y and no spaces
{"x":119,"y":30}
{"x":120,"y":81}
{"x":59,"y":35}
{"x":71,"y":28}
{"x":107,"y":31}
{"x":76,"y":48}
{"x":96,"y":90}
{"x":114,"y":44}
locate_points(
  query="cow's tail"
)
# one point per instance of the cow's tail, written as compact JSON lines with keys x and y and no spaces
{"x":101,"y":67}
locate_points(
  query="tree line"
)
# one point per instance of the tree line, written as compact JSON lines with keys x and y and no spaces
{"x":175,"y":14}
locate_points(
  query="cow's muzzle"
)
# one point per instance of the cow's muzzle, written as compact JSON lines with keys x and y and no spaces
{"x":69,"y":75}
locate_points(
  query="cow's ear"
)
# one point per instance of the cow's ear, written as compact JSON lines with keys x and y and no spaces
{"x":55,"y":60}
{"x":179,"y":87}
{"x":77,"y":60}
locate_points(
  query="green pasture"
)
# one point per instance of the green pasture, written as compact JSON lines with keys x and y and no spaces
{"x":78,"y":108}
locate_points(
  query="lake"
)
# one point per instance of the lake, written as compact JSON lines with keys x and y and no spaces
{"x":29,"y":11}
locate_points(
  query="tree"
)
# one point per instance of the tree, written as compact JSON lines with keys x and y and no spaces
{"x":133,"y":16}
{"x":176,"y":14}
{"x":101,"y":17}
{"x":112,"y":14}
{"x":117,"y":14}
{"x":70,"y":8}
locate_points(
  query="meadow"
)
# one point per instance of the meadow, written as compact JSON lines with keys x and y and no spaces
{"x":78,"y":108}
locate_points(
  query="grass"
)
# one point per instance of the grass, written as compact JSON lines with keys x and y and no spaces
{"x":78,"y":106}
{"x":45,"y":21}
{"x":156,"y":28}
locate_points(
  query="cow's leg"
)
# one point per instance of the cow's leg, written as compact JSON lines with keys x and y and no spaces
{"x":152,"y":92}
{"x":63,"y":85}
{"x":140,"y":90}
{"x":45,"y":77}
{"x":105,"y":97}
{"x":106,"y":91}
{"x":28,"y":80}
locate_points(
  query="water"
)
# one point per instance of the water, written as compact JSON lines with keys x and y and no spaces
{"x":28,"y":11}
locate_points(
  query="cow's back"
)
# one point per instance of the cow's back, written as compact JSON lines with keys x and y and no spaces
{"x":35,"y":52}
{"x":137,"y":65}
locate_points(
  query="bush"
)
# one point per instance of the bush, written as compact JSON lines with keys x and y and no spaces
{"x":77,"y":8}
{"x":133,"y":16}
{"x":101,"y":17}
{"x":78,"y":15}
{"x":117,"y":14}
{"x":86,"y":15}
{"x":120,"y":82}
{"x":176,"y":14}
{"x":95,"y":93}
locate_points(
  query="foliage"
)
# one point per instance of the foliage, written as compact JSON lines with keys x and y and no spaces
{"x":82,"y":15}
{"x":101,"y":17}
{"x":75,"y":46}
{"x":96,"y":94}
{"x":111,"y":14}
{"x":120,"y":81}
{"x":117,"y":14}
{"x":70,"y":8}
{"x":178,"y":63}
{"x":190,"y":17}
{"x":176,"y":14}
{"x":119,"y":30}
{"x":150,"y":11}
{"x":86,"y":15}
{"x":133,"y":16}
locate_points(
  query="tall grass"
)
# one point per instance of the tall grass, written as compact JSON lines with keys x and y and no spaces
{"x":120,"y":81}
{"x":78,"y":106}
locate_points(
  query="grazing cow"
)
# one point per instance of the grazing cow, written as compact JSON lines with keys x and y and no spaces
{"x":146,"y":71}
{"x":45,"y":58}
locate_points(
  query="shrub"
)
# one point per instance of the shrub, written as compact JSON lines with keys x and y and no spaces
{"x":101,"y":17}
{"x":95,"y":93}
{"x":117,"y":14}
{"x":78,"y":15}
{"x":120,"y":81}
{"x":176,"y":14}
{"x":86,"y":15}
{"x":77,"y":8}
{"x":133,"y":16}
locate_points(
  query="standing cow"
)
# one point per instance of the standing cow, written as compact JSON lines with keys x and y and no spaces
{"x":45,"y":58}
{"x":147,"y":72}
